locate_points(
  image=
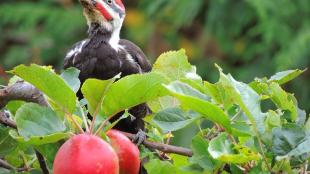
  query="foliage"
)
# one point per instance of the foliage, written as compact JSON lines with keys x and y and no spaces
{"x":249,"y":38}
{"x":239,"y":138}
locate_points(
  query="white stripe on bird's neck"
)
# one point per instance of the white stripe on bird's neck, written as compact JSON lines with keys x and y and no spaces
{"x":114,"y":40}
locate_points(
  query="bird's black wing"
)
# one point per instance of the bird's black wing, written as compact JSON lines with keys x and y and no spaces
{"x":137,"y":54}
{"x":75,"y":49}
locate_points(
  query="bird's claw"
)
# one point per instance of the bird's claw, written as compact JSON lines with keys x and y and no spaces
{"x":139,"y":138}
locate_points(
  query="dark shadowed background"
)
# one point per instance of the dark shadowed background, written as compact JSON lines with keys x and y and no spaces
{"x":248,"y":38}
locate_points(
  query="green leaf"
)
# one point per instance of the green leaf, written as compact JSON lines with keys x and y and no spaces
{"x":201,"y":155}
{"x":302,"y":148}
{"x":94,"y":90}
{"x":243,"y":95}
{"x":283,"y":100}
{"x":181,"y":164}
{"x":5,"y":171}
{"x":173,"y":119}
{"x":185,"y":89}
{"x":189,"y":99}
{"x":286,"y":138}
{"x":174,"y":64}
{"x":307,"y":124}
{"x":222,"y":149}
{"x":290,"y":140}
{"x":162,"y":103}
{"x":51,"y":84}
{"x":283,"y":165}
{"x":133,"y":90}
{"x":157,"y":166}
{"x":286,"y":76}
{"x":13,"y":106}
{"x":34,"y":120}
{"x":71,"y":76}
{"x":39,"y":140}
{"x":7,"y":143}
{"x":273,"y":119}
{"x":241,"y":129}
{"x":214,"y":92}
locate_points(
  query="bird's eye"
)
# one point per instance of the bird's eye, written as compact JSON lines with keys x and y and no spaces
{"x":109,"y":1}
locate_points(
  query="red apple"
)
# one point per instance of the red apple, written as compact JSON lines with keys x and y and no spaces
{"x":127,"y":152}
{"x":86,"y":154}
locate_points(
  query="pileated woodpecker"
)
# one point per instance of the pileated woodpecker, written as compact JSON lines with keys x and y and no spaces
{"x":103,"y":54}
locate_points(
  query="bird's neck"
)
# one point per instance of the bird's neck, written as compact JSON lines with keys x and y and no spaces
{"x":111,"y":36}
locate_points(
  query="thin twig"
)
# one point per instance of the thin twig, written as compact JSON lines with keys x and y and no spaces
{"x":6,"y":121}
{"x":21,"y":91}
{"x":164,"y":147}
{"x":42,"y":162}
{"x":4,"y":164}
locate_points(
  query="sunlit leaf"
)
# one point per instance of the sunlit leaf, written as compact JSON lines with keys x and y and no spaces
{"x":286,"y":76}
{"x":189,"y":99}
{"x":283,"y":100}
{"x":94,"y":90}
{"x":201,"y":155}
{"x":222,"y":149}
{"x":241,"y":94}
{"x":133,"y":90}
{"x":157,"y":166}
{"x":47,"y":81}
{"x":175,"y":65}
{"x":13,"y":106}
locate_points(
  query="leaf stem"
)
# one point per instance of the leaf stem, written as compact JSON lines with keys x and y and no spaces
{"x":92,"y":126}
{"x":255,"y":129}
{"x":75,"y":122}
{"x":84,"y":119}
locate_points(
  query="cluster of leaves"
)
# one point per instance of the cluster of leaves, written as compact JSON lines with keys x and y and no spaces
{"x":244,"y":35}
{"x":240,"y":34}
{"x":240,"y":137}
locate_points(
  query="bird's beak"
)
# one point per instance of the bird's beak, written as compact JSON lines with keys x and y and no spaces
{"x":89,"y":4}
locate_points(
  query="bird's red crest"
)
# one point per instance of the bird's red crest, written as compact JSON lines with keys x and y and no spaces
{"x":120,"y":4}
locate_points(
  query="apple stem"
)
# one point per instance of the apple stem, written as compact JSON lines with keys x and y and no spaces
{"x":103,"y":124}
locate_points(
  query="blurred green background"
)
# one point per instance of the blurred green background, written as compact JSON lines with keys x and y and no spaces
{"x":248,"y":38}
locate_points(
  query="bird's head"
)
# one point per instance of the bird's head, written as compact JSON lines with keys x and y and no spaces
{"x":109,"y":14}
